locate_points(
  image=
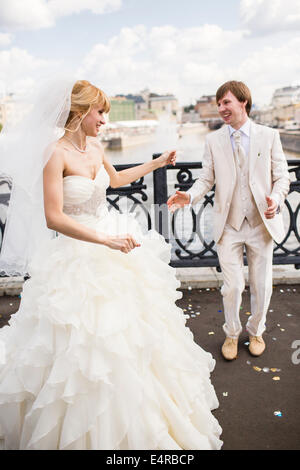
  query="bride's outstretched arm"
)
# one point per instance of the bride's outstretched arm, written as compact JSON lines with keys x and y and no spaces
{"x":123,"y":177}
{"x":60,"y":222}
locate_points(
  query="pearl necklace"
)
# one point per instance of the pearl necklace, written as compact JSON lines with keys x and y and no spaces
{"x":75,"y":146}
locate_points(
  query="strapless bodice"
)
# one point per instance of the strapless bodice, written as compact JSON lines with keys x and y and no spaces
{"x":84,"y":196}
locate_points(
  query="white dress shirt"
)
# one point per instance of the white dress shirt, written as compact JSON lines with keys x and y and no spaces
{"x":245,"y":136}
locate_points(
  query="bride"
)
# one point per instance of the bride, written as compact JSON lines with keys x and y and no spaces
{"x":98,"y":355}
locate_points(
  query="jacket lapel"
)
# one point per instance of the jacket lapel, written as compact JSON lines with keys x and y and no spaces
{"x":254,"y":149}
{"x":227,"y":147}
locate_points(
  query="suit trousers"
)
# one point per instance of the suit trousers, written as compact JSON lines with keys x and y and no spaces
{"x":259,"y":251}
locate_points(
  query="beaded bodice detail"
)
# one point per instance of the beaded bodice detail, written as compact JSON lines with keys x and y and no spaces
{"x":83,"y":195}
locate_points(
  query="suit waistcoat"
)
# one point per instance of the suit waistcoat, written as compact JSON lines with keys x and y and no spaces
{"x":243,"y":204}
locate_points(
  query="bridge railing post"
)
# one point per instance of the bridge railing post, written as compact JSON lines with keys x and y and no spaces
{"x":160,"y":196}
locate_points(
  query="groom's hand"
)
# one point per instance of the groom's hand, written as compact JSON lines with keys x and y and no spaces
{"x":272,"y":207}
{"x":178,"y":200}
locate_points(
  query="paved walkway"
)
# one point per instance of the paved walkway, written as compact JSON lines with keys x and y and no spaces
{"x":248,"y":397}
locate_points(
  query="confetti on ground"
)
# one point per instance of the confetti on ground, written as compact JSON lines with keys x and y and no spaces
{"x":282,"y":329}
{"x":187,"y":316}
{"x":274,"y":339}
{"x":208,"y":288}
{"x":219,"y":311}
{"x":225,"y":394}
{"x":266,"y":369}
{"x":289,"y":314}
{"x":197,"y":313}
{"x":189,"y":288}
{"x":190,"y":305}
{"x":248,"y":313}
{"x":294,"y":290}
{"x":271,"y":310}
{"x":274,"y":369}
{"x":278,"y":413}
{"x":211,"y":333}
{"x":258,"y":369}
{"x":10,"y":304}
{"x":276,"y":378}
{"x":193,"y":316}
{"x":184,"y":309}
{"x":248,"y":362}
{"x":247,"y":343}
{"x":281,"y":290}
{"x":278,"y":324}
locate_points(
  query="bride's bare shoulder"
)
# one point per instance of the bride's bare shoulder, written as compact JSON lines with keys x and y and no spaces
{"x":56,"y":156}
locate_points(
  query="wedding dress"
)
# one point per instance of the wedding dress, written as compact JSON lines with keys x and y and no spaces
{"x":98,"y":355}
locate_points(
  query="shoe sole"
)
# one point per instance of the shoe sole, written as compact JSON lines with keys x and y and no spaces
{"x":256,"y":355}
{"x":231,"y":359}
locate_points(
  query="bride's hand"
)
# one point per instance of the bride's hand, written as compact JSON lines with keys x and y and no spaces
{"x":167,"y":158}
{"x":124,"y":243}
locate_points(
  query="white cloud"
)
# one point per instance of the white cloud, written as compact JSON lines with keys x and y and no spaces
{"x":271,"y":68}
{"x":5,"y":39}
{"x":189,"y":62}
{"x":37,"y":14}
{"x":270,"y":16}
{"x":20,"y":71}
{"x":167,"y":59}
{"x":68,"y":7}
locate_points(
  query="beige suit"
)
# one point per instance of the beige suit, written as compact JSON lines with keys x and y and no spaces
{"x":239,"y":220}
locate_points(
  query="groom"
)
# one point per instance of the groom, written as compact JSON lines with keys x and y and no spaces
{"x":246,"y":163}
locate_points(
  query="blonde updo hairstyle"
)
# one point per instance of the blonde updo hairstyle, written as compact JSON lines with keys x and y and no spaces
{"x":84,"y":96}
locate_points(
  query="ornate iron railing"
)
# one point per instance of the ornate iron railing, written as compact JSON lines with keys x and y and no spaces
{"x":189,"y":231}
{"x":197,"y":247}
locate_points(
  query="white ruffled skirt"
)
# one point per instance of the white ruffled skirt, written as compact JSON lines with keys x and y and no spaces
{"x":98,"y":355}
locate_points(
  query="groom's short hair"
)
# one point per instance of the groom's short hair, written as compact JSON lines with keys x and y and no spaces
{"x":239,"y":90}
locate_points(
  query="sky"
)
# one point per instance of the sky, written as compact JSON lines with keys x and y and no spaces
{"x":185,"y":47}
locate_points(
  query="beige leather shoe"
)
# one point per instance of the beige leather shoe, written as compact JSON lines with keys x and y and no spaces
{"x":230,"y":348}
{"x":257,"y":345}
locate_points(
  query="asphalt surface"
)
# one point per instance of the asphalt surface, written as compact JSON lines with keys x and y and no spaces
{"x":248,"y":397}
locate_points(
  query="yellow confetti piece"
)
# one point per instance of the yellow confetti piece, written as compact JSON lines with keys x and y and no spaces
{"x":282,"y":329}
{"x":258,"y":369}
{"x":248,"y":313}
{"x":273,"y":369}
{"x":276,"y":378}
{"x":211,"y":333}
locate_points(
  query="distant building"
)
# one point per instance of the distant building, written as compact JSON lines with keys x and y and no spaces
{"x":163,"y":104}
{"x":145,"y":105}
{"x":141,"y":106}
{"x":286,"y":96}
{"x":122,"y":109}
{"x":277,"y":116}
{"x":191,"y":116}
{"x":206,"y":107}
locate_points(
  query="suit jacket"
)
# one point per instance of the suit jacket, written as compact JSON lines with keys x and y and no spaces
{"x":268,"y":176}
